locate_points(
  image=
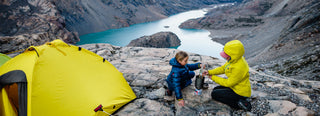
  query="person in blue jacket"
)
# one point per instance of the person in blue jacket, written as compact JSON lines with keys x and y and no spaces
{"x":180,"y":75}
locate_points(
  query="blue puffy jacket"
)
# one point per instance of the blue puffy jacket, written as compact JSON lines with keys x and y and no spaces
{"x":180,"y":76}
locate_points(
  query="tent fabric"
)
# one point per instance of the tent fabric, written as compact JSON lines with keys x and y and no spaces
{"x":20,"y":100}
{"x":66,"y":80}
{"x":3,"y":58}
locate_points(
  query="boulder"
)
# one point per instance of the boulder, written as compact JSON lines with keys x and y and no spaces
{"x":301,"y":111}
{"x":158,"y":40}
{"x":281,"y":106}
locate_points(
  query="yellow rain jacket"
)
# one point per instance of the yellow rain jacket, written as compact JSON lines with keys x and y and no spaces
{"x":236,"y":69}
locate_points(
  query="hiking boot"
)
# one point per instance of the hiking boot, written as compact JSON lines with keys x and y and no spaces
{"x":205,"y":86}
{"x":244,"y":104}
{"x":168,"y":92}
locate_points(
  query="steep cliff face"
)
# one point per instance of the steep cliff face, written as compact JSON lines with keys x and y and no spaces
{"x":88,"y":16}
{"x":282,"y":36}
{"x":25,"y":23}
{"x":296,"y":52}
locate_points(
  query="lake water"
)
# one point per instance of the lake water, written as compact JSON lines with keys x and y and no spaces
{"x":192,"y":40}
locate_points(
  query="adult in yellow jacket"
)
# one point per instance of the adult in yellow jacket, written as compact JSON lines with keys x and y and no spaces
{"x":235,"y":89}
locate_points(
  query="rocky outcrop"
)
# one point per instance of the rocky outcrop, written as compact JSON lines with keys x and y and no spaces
{"x":25,"y":23}
{"x":146,"y":69}
{"x":247,"y":14}
{"x":17,"y":43}
{"x":158,"y":40}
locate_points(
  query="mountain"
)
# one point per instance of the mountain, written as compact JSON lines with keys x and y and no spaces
{"x":25,"y":23}
{"x":279,"y":36}
{"x":89,"y":16}
{"x":34,"y":22}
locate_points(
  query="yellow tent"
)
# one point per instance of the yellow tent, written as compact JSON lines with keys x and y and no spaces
{"x":57,"y":79}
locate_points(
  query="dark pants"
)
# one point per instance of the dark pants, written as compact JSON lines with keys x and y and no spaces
{"x":226,"y":96}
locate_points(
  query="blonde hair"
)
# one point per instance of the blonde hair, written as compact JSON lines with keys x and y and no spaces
{"x":181,"y":55}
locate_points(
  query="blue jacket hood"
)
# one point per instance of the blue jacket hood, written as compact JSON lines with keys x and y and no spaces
{"x":175,"y":63}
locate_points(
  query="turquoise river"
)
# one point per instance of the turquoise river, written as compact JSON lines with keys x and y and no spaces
{"x":192,"y":40}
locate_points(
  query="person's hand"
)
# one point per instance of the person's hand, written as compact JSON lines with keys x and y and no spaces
{"x":205,"y":72}
{"x":202,"y":65}
{"x":181,"y":103}
{"x":210,"y":77}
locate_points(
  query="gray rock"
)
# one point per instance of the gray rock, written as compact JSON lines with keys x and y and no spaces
{"x":301,"y":111}
{"x":145,"y":107}
{"x":144,"y":80}
{"x":158,"y":40}
{"x":281,"y":107}
{"x":157,"y":94}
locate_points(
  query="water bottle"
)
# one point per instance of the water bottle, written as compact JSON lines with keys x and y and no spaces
{"x":199,"y":81}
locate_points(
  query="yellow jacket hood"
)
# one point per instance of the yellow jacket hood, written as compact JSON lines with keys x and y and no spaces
{"x":234,"y":49}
